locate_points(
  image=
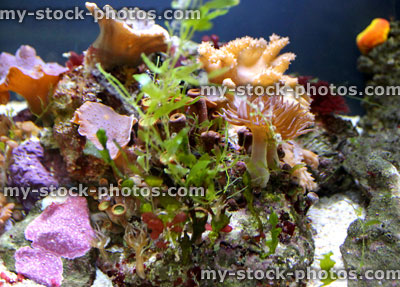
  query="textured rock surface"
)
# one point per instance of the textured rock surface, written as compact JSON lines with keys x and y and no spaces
{"x":382,"y":66}
{"x":373,"y":160}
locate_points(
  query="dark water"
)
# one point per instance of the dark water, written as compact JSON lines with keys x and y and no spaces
{"x":322,"y":32}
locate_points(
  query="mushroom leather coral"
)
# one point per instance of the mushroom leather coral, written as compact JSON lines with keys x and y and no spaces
{"x":28,"y":75}
{"x":92,"y":116}
{"x":122,"y":41}
{"x":248,"y":61}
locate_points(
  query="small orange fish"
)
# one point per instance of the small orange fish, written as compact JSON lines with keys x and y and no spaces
{"x":375,"y":34}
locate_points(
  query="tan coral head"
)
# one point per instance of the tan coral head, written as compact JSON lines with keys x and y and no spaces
{"x":29,"y":76}
{"x":249,"y":61}
{"x":122,"y":40}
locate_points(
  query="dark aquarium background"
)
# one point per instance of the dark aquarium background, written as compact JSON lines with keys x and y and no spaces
{"x":322,"y":33}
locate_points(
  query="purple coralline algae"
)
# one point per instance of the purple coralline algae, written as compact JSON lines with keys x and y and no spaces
{"x":62,"y":230}
{"x":39,"y":265}
{"x":27,"y":170}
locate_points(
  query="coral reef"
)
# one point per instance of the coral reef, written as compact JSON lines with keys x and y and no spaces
{"x":249,"y":61}
{"x":140,"y":121}
{"x":27,"y":74}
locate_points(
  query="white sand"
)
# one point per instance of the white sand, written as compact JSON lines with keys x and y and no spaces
{"x":331,"y":217}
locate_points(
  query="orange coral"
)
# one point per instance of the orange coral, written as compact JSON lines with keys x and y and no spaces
{"x":28,"y":75}
{"x":5,"y":210}
{"x":249,"y":61}
{"x":375,"y":34}
{"x":92,"y":116}
{"x":122,"y":41}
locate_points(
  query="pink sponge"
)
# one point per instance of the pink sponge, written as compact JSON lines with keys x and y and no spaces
{"x":63,"y":229}
{"x":39,"y":265}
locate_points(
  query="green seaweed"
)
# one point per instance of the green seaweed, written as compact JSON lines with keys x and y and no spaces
{"x":326,"y":264}
{"x":275,"y":231}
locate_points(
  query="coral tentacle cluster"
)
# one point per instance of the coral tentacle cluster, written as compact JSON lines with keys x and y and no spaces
{"x":287,"y":118}
{"x":249,"y":61}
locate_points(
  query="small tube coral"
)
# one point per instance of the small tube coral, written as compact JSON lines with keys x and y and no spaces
{"x":267,"y":117}
{"x":29,"y":76}
{"x":122,"y":40}
{"x":248,"y":61}
{"x":92,"y":116}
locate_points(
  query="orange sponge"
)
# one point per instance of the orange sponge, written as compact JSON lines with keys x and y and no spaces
{"x":375,"y":34}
